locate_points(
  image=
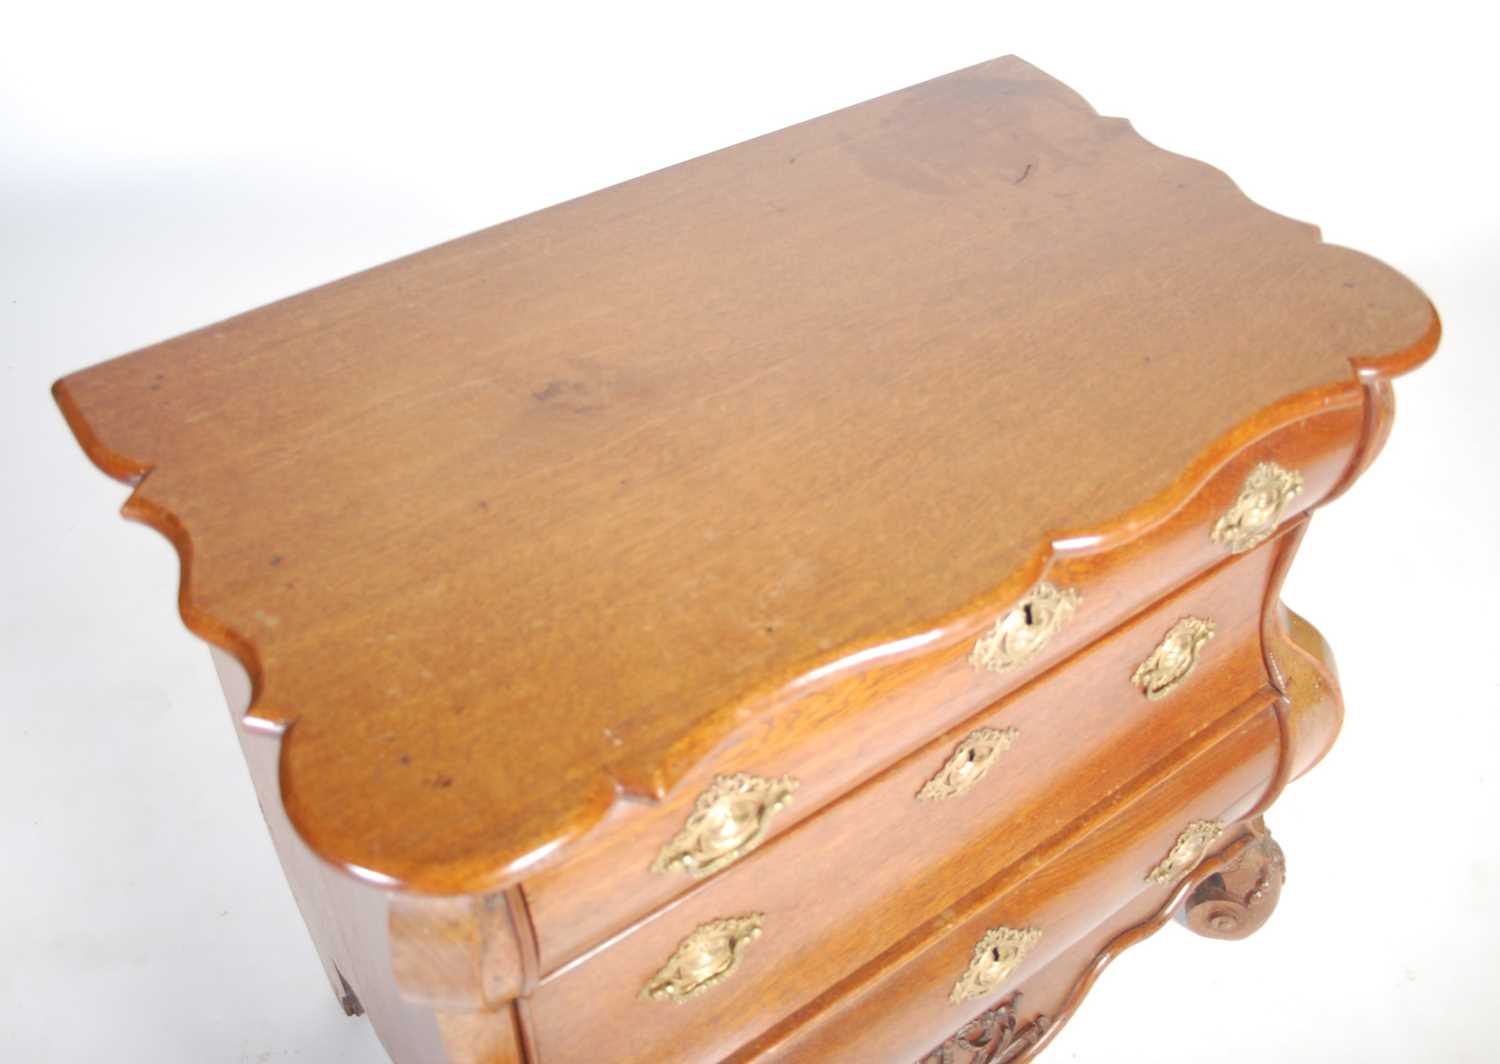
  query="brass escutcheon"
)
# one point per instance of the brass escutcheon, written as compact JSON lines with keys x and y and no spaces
{"x":1174,"y":657}
{"x":1025,"y":628}
{"x":970,"y":761}
{"x":704,"y":959}
{"x":728,"y":820}
{"x":996,"y":956}
{"x":1255,"y":514}
{"x":1187,"y":851}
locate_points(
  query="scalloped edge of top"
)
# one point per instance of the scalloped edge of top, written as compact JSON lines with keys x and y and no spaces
{"x":510,"y":864}
{"x":511,"y":860}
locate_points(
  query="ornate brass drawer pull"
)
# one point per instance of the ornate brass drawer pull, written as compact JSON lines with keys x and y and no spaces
{"x":1025,"y":628}
{"x":998,"y":954}
{"x":1256,"y":513}
{"x":704,"y":959}
{"x":728,"y":820}
{"x":969,"y":763}
{"x":1187,"y":851}
{"x":1174,"y":657}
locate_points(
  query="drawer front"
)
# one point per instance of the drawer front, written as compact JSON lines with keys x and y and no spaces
{"x":1080,"y":902}
{"x":829,"y":736}
{"x":807,"y":908}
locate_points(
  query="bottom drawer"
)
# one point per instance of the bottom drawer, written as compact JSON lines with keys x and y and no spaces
{"x":900,"y":1007}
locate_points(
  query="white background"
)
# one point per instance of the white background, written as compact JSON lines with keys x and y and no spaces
{"x":166,"y":165}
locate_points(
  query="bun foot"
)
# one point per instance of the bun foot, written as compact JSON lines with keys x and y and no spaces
{"x":1237,"y":900}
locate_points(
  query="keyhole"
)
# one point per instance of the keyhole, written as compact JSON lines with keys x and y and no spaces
{"x":995,"y":954}
{"x":1026,"y":613}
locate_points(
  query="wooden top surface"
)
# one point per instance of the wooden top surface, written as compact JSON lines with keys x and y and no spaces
{"x":530,"y":519}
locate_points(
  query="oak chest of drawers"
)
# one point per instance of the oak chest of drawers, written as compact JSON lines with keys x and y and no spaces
{"x":816,"y":602}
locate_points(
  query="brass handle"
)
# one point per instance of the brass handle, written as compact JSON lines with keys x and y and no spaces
{"x":1254,"y":515}
{"x":728,"y":820}
{"x":704,"y":959}
{"x":969,"y":763}
{"x":1186,"y":852}
{"x":996,"y":956}
{"x":1174,"y":657}
{"x":1024,"y":629}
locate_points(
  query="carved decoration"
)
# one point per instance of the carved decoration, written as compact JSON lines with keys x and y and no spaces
{"x":729,"y":819}
{"x":1025,"y":629}
{"x":1187,"y":851}
{"x":969,"y":763}
{"x":1236,"y":901}
{"x":1174,"y":657}
{"x":992,"y":1037}
{"x":1257,"y":511}
{"x":996,"y":957}
{"x":704,"y":959}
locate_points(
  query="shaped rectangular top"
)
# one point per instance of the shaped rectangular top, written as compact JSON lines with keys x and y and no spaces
{"x":506,"y":527}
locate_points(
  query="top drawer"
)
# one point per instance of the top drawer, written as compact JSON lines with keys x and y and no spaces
{"x":829,"y":738}
{"x":820,"y":901}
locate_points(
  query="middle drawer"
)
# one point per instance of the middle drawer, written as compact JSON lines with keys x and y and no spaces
{"x":754,"y":942}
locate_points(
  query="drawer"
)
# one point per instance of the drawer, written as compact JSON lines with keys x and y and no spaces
{"x":832,"y":732}
{"x":830,"y":895}
{"x":902,"y":1009}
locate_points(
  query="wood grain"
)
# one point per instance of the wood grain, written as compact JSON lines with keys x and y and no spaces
{"x":347,"y":920}
{"x":841,"y":733}
{"x":890,"y":1009}
{"x":516,"y":526}
{"x":899,"y":1009}
{"x":839,"y":890}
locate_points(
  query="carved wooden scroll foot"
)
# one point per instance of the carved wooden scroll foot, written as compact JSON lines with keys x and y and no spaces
{"x":1236,"y":901}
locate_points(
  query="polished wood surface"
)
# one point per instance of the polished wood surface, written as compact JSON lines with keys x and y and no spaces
{"x":517,"y":529}
{"x":512,"y":549}
{"x":901,"y":1009}
{"x":893,"y":1010}
{"x":349,"y":923}
{"x":1070,"y":727}
{"x":844,"y":732}
{"x":837,"y":891}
